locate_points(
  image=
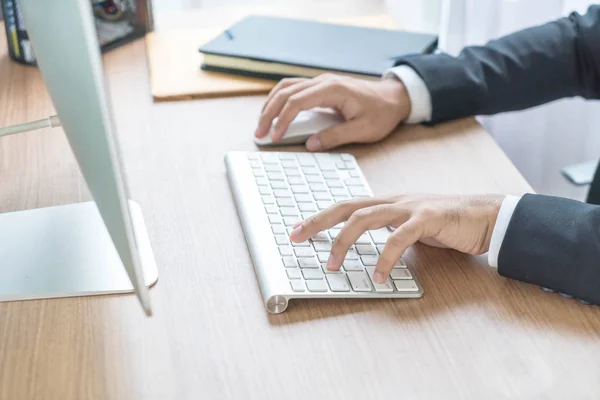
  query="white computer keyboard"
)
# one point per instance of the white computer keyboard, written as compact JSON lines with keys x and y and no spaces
{"x":272,"y":192}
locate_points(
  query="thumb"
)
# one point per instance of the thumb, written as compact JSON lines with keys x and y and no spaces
{"x":337,"y":135}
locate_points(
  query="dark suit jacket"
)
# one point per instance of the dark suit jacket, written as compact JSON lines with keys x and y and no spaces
{"x":550,"y":241}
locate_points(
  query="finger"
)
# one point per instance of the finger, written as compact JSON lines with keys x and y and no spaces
{"x":323,"y":94}
{"x":402,"y":238}
{"x":332,"y":216}
{"x":337,"y":135}
{"x":360,"y":221}
{"x":282,"y":84}
{"x":273,"y":108}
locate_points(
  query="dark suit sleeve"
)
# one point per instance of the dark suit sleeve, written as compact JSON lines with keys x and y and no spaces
{"x":555,"y":243}
{"x":530,"y":67}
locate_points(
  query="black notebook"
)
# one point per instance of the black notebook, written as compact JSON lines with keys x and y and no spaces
{"x":275,"y":48}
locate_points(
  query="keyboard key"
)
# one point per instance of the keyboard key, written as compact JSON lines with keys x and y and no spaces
{"x":295,"y":180}
{"x":322,"y":205}
{"x":272,"y":209}
{"x":262,"y":181}
{"x":359,"y":281}
{"x":351,"y":255}
{"x":323,"y":256}
{"x":314,"y":179}
{"x":337,"y":283}
{"x":286,"y":251}
{"x":347,"y":157}
{"x":300,"y":189}
{"x":336,"y":191}
{"x":322,"y":246}
{"x":308,"y":263}
{"x":275,"y":176}
{"x":279,"y":185}
{"x":334,"y":183}
{"x":258,"y":172}
{"x":355,"y":174}
{"x":304,"y":252}
{"x":268,"y":199}
{"x":330,"y":174}
{"x":380,"y":248}
{"x":275,"y":219}
{"x":369,"y":260}
{"x":289,"y":212}
{"x":264,"y":190}
{"x":366,"y":249}
{"x":326,"y":271}
{"x":341,"y":165}
{"x":286,"y":156}
{"x":321,"y":237}
{"x":290,"y":172}
{"x":380,"y":236}
{"x":253,"y":156}
{"x":303,"y":198}
{"x":286,"y":202}
{"x":406,"y":286}
{"x":316,"y":286}
{"x":304,"y":207}
{"x":310,"y":170}
{"x":307,"y":162}
{"x":334,"y":233}
{"x":301,"y":244}
{"x":358,"y":191}
{"x":297,"y":286}
{"x":339,"y":199}
{"x":289,"y":262}
{"x":269,"y":158}
{"x":317,"y":187}
{"x":322,"y":196}
{"x":282,"y":239}
{"x":288,"y":163}
{"x":327,"y":166}
{"x":354,"y":182}
{"x":293,"y":273}
{"x":350,"y":164}
{"x":364,"y":239}
{"x":272,"y":168}
{"x":353,"y":265}
{"x":380,"y":287}
{"x":400,"y":264}
{"x":312,"y":274}
{"x":278,"y":229}
{"x":278,"y":193}
{"x":290,"y":221}
{"x":400,"y":274}
{"x":307,"y":215}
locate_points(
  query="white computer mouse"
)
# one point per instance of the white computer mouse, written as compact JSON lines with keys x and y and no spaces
{"x":307,"y":123}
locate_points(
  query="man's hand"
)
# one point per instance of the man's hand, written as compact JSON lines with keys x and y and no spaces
{"x":372,"y":109}
{"x":464,"y":223}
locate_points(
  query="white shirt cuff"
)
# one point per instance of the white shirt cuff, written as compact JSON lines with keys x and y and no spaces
{"x":420,"y":98}
{"x":504,"y":215}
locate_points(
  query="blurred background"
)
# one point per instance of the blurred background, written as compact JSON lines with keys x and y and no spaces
{"x":539,"y":141}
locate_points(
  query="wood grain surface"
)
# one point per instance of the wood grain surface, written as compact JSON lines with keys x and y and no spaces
{"x":474,"y":334}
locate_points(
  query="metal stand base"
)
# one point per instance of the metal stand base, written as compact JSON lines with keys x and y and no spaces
{"x":66,"y":251}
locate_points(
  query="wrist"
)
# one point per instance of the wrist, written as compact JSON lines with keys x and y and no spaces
{"x":493,"y":209}
{"x":394,"y":92}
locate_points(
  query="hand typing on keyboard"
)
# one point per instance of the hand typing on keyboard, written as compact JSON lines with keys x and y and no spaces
{"x":463,"y":223}
{"x":372,"y":109}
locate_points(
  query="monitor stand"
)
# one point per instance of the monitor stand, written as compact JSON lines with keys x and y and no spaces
{"x":66,"y":251}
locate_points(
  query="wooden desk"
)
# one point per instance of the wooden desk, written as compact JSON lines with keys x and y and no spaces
{"x":474,"y":334}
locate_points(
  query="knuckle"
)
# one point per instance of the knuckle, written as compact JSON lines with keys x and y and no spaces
{"x":428,"y":212}
{"x":394,"y":241}
{"x":360,"y":215}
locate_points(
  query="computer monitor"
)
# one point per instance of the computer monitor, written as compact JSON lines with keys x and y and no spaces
{"x":64,"y":41}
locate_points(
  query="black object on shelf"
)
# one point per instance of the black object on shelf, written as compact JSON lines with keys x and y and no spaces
{"x":117,"y":22}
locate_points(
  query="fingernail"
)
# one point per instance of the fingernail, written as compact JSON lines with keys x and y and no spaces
{"x":297,"y":224}
{"x":331,"y":262}
{"x":378,"y":276}
{"x":313,"y":144}
{"x":296,"y":231}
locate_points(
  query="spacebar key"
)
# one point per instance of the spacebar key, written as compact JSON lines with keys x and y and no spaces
{"x":359,"y":281}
